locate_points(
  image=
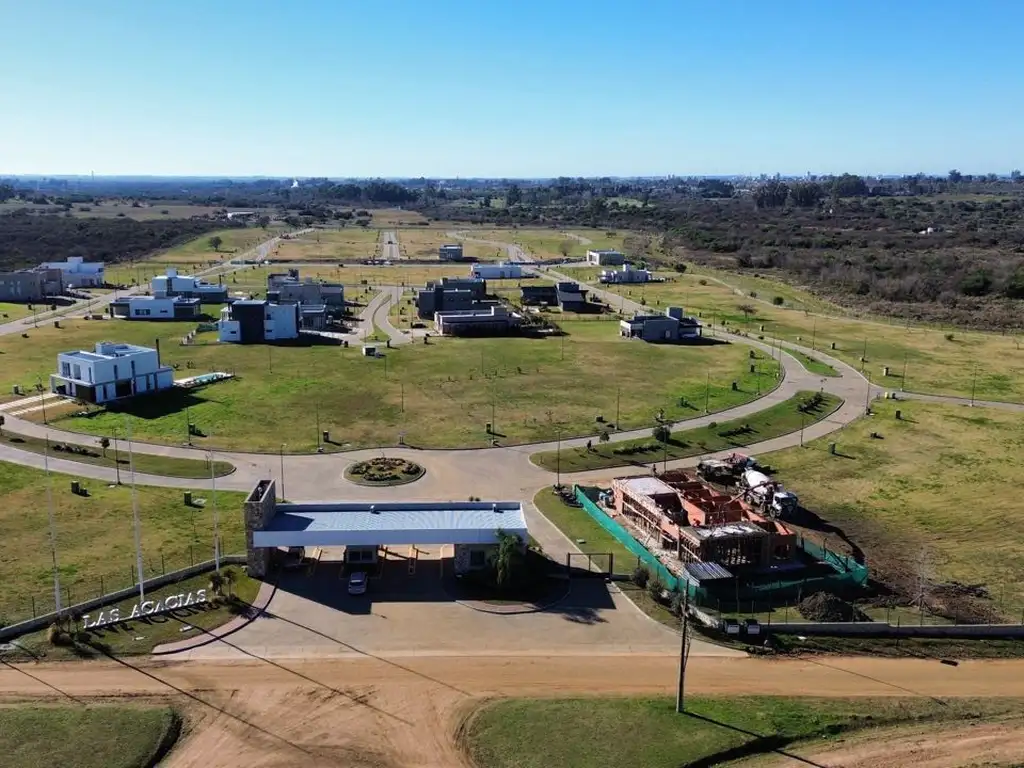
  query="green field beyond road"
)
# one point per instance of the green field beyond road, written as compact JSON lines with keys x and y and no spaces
{"x":647,"y":732}
{"x":441,"y":394}
{"x":782,"y":419}
{"x":99,"y":736}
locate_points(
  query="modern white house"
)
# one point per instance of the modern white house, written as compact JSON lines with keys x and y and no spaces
{"x":256,"y":322}
{"x":112,"y":372}
{"x":625,"y":274}
{"x":173,"y":284}
{"x":606,"y":258}
{"x":155,"y":308}
{"x":503,"y":271}
{"x":77,"y":272}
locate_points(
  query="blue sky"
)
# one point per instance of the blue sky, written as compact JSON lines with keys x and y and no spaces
{"x":519,"y":88}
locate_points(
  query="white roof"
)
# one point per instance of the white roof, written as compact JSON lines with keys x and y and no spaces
{"x":647,"y":486}
{"x":354,"y":524}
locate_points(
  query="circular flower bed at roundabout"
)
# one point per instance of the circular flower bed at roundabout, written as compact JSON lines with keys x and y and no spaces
{"x":384,"y":471}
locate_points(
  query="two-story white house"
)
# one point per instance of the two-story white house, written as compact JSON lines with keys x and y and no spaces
{"x":255,"y":322}
{"x":76,"y":272}
{"x":111,"y":372}
{"x":173,"y":284}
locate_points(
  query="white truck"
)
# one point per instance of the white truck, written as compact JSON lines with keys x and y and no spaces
{"x":769,"y":495}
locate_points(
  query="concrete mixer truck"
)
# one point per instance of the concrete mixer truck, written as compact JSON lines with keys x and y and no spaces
{"x":769,"y":496}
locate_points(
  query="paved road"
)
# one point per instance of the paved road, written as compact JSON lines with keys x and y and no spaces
{"x":514,"y":253}
{"x":389,"y":250}
{"x":389,"y":296}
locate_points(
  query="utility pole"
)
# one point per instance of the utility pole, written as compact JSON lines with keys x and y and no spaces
{"x":707,"y":392}
{"x":188,"y":427}
{"x":558,"y":458}
{"x":270,"y":358}
{"x":618,"y":395}
{"x":563,"y":345}
{"x":814,"y":332}
{"x":135,"y":514}
{"x":803,"y":419}
{"x":684,"y":652}
{"x":216,"y":516}
{"x":401,"y":385}
{"x":974,"y":383}
{"x":53,"y":525}
{"x":903,"y":381}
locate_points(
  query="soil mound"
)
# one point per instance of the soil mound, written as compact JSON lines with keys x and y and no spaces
{"x":824,"y":606}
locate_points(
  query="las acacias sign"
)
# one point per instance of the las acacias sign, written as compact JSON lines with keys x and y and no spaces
{"x":145,"y":608}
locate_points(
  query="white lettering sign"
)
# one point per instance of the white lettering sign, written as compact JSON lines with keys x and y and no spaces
{"x":144,"y":609}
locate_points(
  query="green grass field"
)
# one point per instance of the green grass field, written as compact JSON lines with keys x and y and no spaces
{"x":621,"y":732}
{"x":440,"y":394}
{"x":9,"y":312}
{"x":781,"y":419}
{"x":95,"y":736}
{"x":547,"y":243}
{"x":95,"y":536}
{"x":934,"y":363}
{"x":940,"y":487}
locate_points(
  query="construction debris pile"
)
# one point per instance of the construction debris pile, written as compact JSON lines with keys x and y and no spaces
{"x":824,"y":606}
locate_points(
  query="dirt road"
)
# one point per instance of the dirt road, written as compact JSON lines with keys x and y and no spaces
{"x":407,"y":710}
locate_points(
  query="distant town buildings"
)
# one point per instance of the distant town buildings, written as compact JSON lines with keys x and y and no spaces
{"x":673,"y":326}
{"x":450,"y":252}
{"x":112,"y":372}
{"x":606,"y":258}
{"x":173,"y":284}
{"x":256,"y":322}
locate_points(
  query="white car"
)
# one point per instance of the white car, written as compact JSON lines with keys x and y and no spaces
{"x":357,"y":583}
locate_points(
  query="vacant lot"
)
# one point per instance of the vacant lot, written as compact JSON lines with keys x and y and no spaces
{"x":99,"y":736}
{"x":937,"y":361}
{"x":95,"y":536}
{"x":600,"y":733}
{"x":384,"y":218}
{"x":932,"y":498}
{"x":549,"y":243}
{"x":781,"y":419}
{"x":440,"y":394}
{"x":330,"y":245}
{"x":253,"y":279}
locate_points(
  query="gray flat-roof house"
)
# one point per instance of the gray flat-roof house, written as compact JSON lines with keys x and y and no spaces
{"x":307,"y":292}
{"x":30,"y":285}
{"x":494,"y":320}
{"x":606,"y":258}
{"x":671,"y":327}
{"x":625,"y":274}
{"x":448,"y":295}
{"x":534,"y":295}
{"x":155,"y":308}
{"x":173,"y":284}
{"x":572,"y":298}
{"x":450,"y":252}
{"x":111,"y":372}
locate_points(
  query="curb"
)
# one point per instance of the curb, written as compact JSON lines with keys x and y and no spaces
{"x":526,"y":608}
{"x":258,"y":609}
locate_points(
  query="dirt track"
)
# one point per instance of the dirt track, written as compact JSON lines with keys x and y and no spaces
{"x":406,"y":711}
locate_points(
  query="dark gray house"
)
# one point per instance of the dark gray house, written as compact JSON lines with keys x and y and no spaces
{"x":450,"y":295}
{"x":538,"y":295}
{"x":671,"y":327}
{"x":573,"y":298}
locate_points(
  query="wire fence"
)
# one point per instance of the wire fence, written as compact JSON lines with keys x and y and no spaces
{"x":76,"y":588}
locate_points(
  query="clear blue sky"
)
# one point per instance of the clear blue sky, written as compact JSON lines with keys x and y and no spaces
{"x":510,"y":87}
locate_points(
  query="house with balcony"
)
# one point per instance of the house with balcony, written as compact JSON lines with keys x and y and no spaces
{"x":172,"y":284}
{"x":112,"y":371}
{"x":155,"y":308}
{"x":76,"y":272}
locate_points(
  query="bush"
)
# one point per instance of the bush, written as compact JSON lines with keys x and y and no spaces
{"x":654,"y":588}
{"x":702,"y":281}
{"x":950,"y":337}
{"x":641,"y":576}
{"x":778,"y":301}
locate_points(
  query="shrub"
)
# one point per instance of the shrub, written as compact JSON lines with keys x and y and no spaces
{"x":950,"y":337}
{"x":778,"y":301}
{"x":702,"y":281}
{"x":712,"y":425}
{"x":641,"y":576}
{"x":661,"y":433}
{"x":654,"y":588}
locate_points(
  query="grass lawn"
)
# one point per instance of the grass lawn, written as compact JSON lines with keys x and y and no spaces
{"x":781,"y":419}
{"x":934,"y":363}
{"x":813,"y":364}
{"x":620,"y":732}
{"x":95,"y":536}
{"x":144,"y":463}
{"x":447,"y":387}
{"x":941,"y":487}
{"x":329,"y":245}
{"x":97,"y":736}
{"x":584,"y":531}
{"x":141,"y":636}
{"x":547,"y":243}
{"x":9,"y":312}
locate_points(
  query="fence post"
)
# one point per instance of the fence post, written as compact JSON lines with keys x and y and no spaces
{"x":163,"y":564}
{"x":67,"y":591}
{"x":102,"y":592}
{"x":191,"y":562}
{"x":33,"y":599}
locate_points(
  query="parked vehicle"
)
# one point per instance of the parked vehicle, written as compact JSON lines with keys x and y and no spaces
{"x":726,"y":471}
{"x":769,"y":495}
{"x":357,"y":583}
{"x":752,"y":627}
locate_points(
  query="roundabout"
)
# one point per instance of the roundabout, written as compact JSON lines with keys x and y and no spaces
{"x":384,"y":472}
